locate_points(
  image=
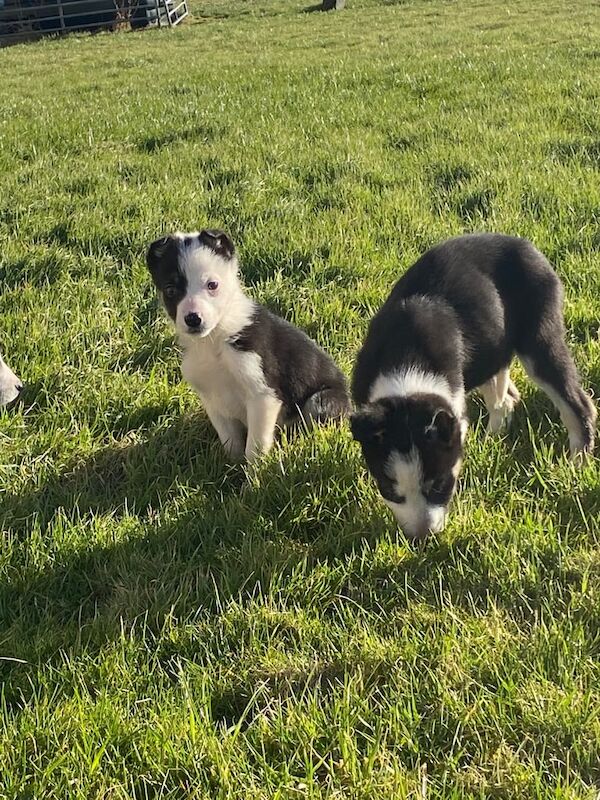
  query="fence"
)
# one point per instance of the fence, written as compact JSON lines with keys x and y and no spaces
{"x":29,"y":19}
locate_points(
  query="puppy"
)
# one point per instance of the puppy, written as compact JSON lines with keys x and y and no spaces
{"x":10,"y":385}
{"x":252,"y":370}
{"x":453,"y":323}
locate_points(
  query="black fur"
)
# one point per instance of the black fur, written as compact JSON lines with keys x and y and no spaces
{"x":302,"y":375}
{"x":421,"y":332}
{"x":402,"y":423}
{"x":497,"y":294}
{"x":461,"y":312}
{"x":162,"y":259}
{"x":218,"y":241}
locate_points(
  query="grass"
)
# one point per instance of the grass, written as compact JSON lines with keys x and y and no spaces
{"x":171,"y":627}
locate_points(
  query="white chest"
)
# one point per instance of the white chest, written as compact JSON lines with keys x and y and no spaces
{"x":223,"y":377}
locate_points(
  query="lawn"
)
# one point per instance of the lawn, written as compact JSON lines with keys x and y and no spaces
{"x":173,"y":627}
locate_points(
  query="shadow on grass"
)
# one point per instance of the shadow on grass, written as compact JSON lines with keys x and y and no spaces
{"x":196,"y":133}
{"x":584,"y":329}
{"x":302,"y":266}
{"x":208,"y":556}
{"x":230,"y":539}
{"x":582,"y":151}
{"x":593,"y":383}
{"x":478,"y":203}
{"x":233,"y":538}
{"x":124,"y":476}
{"x":38,"y":269}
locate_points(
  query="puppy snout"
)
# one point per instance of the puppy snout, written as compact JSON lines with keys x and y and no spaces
{"x":420,"y":532}
{"x":434,"y":523}
{"x":193,"y":321}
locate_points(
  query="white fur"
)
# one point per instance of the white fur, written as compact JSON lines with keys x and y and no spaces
{"x":413,"y":380}
{"x":570,"y":419}
{"x":226,"y":307}
{"x":10,"y":385}
{"x":232,"y":388}
{"x":499,"y":401}
{"x":415,"y":516}
{"x":262,"y":413}
{"x":230,"y":383}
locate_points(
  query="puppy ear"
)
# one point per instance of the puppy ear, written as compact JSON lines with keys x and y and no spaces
{"x":218,"y":241}
{"x":156,"y":252}
{"x":368,"y":425}
{"x":442,"y":428}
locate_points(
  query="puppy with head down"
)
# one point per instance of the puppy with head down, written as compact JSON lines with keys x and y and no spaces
{"x":453,"y":323}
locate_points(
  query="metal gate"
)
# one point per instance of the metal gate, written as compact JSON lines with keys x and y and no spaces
{"x":29,"y":19}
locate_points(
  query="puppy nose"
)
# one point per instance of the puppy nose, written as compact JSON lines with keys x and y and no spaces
{"x":192,"y":320}
{"x":421,"y":532}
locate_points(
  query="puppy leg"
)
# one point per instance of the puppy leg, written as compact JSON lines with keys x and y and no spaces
{"x":262,"y":413}
{"x":549,"y":363}
{"x":514,"y":393}
{"x":499,"y":398}
{"x":551,"y":366}
{"x":230,"y":431}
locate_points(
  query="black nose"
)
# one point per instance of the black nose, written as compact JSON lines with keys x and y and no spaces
{"x":192,"y":320}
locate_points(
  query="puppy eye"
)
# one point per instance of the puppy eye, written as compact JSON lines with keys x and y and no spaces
{"x":212,"y":286}
{"x":438,"y":491}
{"x":170,"y":292}
{"x":387,"y":489}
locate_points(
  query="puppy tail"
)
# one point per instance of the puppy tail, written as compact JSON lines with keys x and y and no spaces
{"x":328,"y":404}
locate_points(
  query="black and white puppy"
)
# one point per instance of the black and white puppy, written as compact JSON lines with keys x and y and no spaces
{"x":252,"y":370}
{"x":10,"y":386}
{"x":453,"y":323}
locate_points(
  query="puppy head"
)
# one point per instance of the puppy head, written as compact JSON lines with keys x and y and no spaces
{"x":195,"y":274}
{"x":10,"y":385}
{"x":413,"y":448}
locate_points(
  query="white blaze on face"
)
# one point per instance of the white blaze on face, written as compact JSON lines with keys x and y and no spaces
{"x":415,"y":515}
{"x":10,"y":385}
{"x":204,"y":270}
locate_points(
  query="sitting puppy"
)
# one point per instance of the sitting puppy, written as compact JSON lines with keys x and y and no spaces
{"x":452,"y":323}
{"x":252,"y":370}
{"x":10,"y":385}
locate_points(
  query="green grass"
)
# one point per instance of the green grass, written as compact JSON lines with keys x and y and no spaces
{"x":171,"y":627}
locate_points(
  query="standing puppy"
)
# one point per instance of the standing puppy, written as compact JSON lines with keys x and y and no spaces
{"x":252,"y":370}
{"x":452,"y":323}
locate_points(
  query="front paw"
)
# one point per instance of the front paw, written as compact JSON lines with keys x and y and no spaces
{"x":255,"y":451}
{"x":252,"y":455}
